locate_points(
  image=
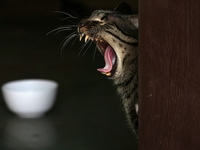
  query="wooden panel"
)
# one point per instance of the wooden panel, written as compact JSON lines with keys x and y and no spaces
{"x":169,"y":75}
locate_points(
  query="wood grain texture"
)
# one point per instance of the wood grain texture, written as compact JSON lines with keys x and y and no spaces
{"x":169,"y":75}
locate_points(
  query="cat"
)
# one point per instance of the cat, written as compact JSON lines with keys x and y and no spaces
{"x":115,"y":33}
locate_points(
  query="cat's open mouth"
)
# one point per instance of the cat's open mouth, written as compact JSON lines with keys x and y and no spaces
{"x":106,"y":49}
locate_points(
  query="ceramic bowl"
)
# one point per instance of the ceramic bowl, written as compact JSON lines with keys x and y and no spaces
{"x":30,"y":98}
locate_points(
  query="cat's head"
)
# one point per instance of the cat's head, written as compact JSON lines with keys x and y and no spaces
{"x":115,"y":34}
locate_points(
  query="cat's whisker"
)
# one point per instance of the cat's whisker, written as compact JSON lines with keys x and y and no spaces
{"x":87,"y":48}
{"x":87,"y":40}
{"x":75,"y":15}
{"x":95,"y":50}
{"x":81,"y":49}
{"x":60,"y":29}
{"x":69,"y":15}
{"x":70,"y":26}
{"x":73,"y":26}
{"x":75,"y":39}
{"x":67,"y":40}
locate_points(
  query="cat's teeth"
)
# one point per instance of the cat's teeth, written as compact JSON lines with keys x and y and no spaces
{"x":106,"y":73}
{"x":81,"y":36}
{"x":86,"y":38}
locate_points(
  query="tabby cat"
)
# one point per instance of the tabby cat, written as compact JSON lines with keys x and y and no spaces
{"x":116,"y":36}
{"x":115,"y":33}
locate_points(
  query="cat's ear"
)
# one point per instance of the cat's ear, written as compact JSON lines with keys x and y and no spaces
{"x":124,"y":8}
{"x":135,"y":21}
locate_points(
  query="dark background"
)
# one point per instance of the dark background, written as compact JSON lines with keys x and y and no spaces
{"x":88,"y":113}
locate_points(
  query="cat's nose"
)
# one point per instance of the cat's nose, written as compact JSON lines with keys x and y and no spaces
{"x":83,"y":23}
{"x":86,"y":26}
{"x":87,"y":23}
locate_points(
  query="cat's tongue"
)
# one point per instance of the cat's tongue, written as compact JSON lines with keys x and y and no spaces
{"x":109,"y":57}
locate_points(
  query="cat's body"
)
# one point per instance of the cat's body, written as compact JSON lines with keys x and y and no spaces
{"x":116,"y":35}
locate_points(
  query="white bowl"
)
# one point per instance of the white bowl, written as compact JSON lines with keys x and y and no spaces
{"x":30,"y":98}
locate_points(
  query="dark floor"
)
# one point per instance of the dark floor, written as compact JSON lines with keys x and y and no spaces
{"x":88,"y":114}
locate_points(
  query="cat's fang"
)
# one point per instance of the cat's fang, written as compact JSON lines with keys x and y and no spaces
{"x":86,"y":38}
{"x":81,"y":36}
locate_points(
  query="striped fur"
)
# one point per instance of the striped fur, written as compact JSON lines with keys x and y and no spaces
{"x":120,"y":31}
